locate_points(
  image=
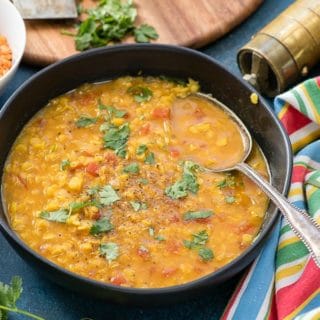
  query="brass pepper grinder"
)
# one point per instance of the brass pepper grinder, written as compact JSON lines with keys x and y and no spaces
{"x":284,"y":50}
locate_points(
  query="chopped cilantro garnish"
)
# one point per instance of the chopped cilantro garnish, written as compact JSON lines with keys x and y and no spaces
{"x":131,"y":168}
{"x":137,"y":205}
{"x":150,"y":158}
{"x":116,"y":139}
{"x":64,"y":164}
{"x":100,"y":226}
{"x":140,"y":94}
{"x":75,"y":206}
{"x":112,"y":111}
{"x":198,"y":239}
{"x":143,"y":181}
{"x":229,"y":181}
{"x":141,"y":149}
{"x":178,"y":81}
{"x":202,"y":214}
{"x":93,"y":190}
{"x":108,"y":196}
{"x":188,"y":182}
{"x":160,"y":238}
{"x":152,"y":234}
{"x":85,"y":121}
{"x":198,"y":243}
{"x":111,"y":21}
{"x":109,"y":250}
{"x":206,"y":254}
{"x":144,"y":33}
{"x":57,"y":216}
{"x":229,"y":199}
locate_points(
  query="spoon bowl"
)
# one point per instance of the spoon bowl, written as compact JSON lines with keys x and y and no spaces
{"x":306,"y":228}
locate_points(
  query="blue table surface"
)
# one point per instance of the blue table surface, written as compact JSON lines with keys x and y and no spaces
{"x":54,"y":302}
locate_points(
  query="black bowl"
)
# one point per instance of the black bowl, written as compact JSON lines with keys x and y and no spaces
{"x":108,"y":63}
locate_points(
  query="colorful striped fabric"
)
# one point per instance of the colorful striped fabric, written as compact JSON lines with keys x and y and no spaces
{"x":284,"y":282}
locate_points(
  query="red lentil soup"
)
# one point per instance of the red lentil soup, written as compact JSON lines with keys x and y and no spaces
{"x":100,"y":183}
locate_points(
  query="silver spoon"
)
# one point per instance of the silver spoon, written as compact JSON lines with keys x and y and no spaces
{"x":306,"y":228}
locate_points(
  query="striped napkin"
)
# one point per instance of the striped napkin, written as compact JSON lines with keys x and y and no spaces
{"x":284,"y":282}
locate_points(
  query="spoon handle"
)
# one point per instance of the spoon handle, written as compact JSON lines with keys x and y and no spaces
{"x":306,"y":229}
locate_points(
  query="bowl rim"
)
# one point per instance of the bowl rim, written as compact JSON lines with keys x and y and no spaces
{"x":199,"y":282}
{"x":19,"y":56}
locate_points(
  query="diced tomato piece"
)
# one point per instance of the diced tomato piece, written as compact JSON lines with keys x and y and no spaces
{"x":161,"y":113}
{"x":143,"y":252}
{"x":118,"y":280}
{"x":111,"y":159}
{"x":169,"y":271}
{"x":92,"y":168}
{"x":145,"y":129}
{"x":174,"y":218}
{"x":173,"y":246}
{"x":174,"y":152}
{"x":203,"y":220}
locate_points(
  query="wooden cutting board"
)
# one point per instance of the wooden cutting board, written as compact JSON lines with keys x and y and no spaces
{"x":192,"y":23}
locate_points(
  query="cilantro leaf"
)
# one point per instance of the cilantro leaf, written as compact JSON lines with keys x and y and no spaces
{"x":116,"y":139}
{"x":140,"y":94}
{"x":93,"y":190}
{"x":188,"y":182}
{"x":178,"y":81}
{"x":64,"y":165}
{"x":144,"y":33}
{"x":198,"y":243}
{"x":150,"y":159}
{"x":143,"y":181}
{"x":57,"y":216}
{"x":75,"y":206}
{"x":85,"y":121}
{"x":202,"y":214}
{"x":229,"y":181}
{"x":100,"y":226}
{"x":109,"y":250}
{"x":112,"y":111}
{"x":137,"y":205}
{"x":9,"y":294}
{"x":152,"y":234}
{"x":229,"y":199}
{"x":131,"y":168}
{"x":206,"y":254}
{"x":198,"y":239}
{"x":141,"y":149}
{"x":108,"y":196}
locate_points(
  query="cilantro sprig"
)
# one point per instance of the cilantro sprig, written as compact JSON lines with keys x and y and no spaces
{"x":9,"y":294}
